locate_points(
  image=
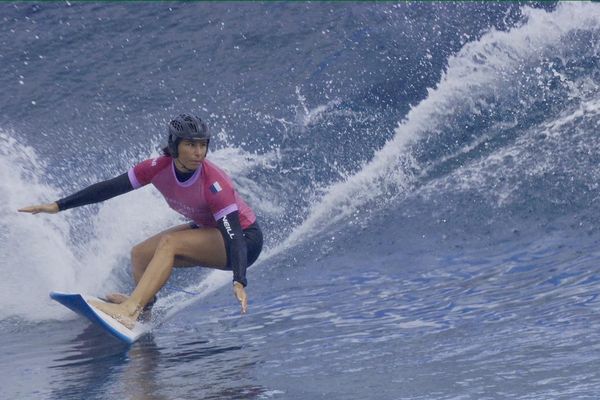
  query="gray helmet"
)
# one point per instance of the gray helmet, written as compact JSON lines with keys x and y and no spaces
{"x":186,"y":126}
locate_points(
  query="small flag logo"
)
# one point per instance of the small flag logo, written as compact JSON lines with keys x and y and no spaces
{"x":215,"y":187}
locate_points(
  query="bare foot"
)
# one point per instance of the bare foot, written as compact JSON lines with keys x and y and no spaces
{"x":117,"y":311}
{"x":116,"y":298}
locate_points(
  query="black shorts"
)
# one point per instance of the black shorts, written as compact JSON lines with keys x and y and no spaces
{"x":254,"y":240}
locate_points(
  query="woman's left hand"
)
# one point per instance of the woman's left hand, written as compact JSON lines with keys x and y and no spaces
{"x":240,"y":294}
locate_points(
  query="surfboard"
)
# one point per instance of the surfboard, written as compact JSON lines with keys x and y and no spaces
{"x":80,"y":304}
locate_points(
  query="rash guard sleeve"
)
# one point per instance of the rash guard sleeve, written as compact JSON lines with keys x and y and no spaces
{"x":97,"y":192}
{"x":235,"y":245}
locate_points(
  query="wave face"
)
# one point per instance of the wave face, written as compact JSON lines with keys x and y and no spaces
{"x":503,"y":143}
{"x":381,"y":116}
{"x":448,"y":150}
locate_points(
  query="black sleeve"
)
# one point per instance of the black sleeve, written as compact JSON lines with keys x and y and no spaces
{"x":97,"y":192}
{"x":235,"y":245}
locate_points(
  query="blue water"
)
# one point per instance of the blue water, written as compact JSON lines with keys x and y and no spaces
{"x":426,"y":175}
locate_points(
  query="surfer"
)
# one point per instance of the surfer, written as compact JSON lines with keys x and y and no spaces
{"x":223,"y":232}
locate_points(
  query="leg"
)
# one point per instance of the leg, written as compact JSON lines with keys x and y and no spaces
{"x":187,"y":247}
{"x":141,"y":254}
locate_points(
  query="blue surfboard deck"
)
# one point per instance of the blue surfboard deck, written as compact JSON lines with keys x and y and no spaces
{"x":79,"y":303}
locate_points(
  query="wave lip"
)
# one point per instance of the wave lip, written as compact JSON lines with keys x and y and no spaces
{"x":487,"y":76}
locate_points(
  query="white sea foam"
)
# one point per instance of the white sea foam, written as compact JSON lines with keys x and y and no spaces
{"x":239,"y":164}
{"x":480,"y":69}
{"x":35,"y":250}
{"x":41,"y":254}
{"x":306,"y":116}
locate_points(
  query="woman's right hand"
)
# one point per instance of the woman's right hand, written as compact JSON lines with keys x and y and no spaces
{"x":50,"y":208}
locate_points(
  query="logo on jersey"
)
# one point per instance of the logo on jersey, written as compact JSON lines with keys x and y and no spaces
{"x":154,"y":161}
{"x":228,"y":227}
{"x":215,"y":187}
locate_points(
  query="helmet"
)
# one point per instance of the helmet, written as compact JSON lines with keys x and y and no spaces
{"x":186,"y":126}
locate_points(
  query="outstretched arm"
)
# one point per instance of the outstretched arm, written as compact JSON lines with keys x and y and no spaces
{"x":237,"y":254}
{"x":95,"y":193}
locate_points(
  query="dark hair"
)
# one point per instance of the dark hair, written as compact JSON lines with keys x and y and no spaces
{"x":166,"y":152}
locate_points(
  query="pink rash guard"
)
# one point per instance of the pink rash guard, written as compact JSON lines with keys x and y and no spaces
{"x":204,"y":198}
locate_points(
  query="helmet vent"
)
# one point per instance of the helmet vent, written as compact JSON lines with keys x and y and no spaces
{"x":191,"y":124}
{"x":177,"y":125}
{"x":193,"y":127}
{"x":187,"y":126}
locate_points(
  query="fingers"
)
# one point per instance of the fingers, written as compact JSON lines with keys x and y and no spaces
{"x":50,"y":208}
{"x":244,"y":303}
{"x":32,"y":210}
{"x":240,"y":294}
{"x":243,"y":299}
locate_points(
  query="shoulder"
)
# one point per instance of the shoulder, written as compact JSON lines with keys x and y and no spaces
{"x":215,"y":179}
{"x":143,"y":173}
{"x":211,"y":171}
{"x":160,"y":162}
{"x":156,"y":163}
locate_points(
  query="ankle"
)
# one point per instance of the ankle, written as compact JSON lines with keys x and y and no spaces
{"x":132,"y":308}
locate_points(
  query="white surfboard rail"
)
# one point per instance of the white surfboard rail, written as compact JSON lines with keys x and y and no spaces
{"x":79,"y":303}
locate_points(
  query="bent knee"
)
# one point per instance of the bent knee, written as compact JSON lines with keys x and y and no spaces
{"x":167,"y":242}
{"x":138,"y":251}
{"x":143,"y":252}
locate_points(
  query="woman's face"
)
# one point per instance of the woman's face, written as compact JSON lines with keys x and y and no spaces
{"x":191,"y":153}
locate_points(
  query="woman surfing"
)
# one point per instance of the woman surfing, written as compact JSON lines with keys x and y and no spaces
{"x":222,"y":233}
